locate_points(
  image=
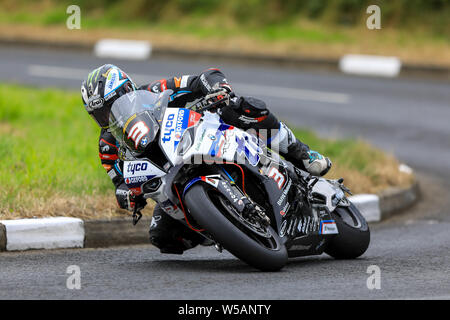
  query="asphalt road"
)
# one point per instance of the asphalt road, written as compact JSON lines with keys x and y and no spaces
{"x":407,"y":118}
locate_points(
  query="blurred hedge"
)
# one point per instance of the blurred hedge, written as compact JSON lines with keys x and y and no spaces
{"x":431,"y":15}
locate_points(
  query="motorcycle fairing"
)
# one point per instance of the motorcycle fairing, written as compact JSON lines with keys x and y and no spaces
{"x":213,"y":139}
{"x":137,"y":172}
{"x":174,"y":124}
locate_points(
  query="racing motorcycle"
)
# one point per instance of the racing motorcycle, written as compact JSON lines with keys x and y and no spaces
{"x":226,"y":185}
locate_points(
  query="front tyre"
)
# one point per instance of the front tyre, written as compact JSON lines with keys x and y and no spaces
{"x":354,"y":234}
{"x":208,"y":208}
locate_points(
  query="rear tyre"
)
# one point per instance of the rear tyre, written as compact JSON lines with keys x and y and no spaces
{"x":354,"y":234}
{"x":209,"y":211}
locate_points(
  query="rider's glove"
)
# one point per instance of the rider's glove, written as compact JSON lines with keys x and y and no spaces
{"x":126,"y":200}
{"x":220,"y":91}
{"x":316,"y":164}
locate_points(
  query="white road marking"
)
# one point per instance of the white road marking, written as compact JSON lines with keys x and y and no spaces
{"x":123,"y":49}
{"x":77,"y":74}
{"x":56,"y":72}
{"x":248,"y":89}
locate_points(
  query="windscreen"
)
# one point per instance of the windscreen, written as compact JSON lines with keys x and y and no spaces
{"x":134,"y":103}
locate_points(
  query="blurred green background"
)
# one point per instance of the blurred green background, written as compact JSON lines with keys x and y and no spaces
{"x":431,"y":16}
{"x":415,"y":30}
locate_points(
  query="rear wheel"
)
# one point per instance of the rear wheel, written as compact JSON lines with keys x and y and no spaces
{"x":257,"y":245}
{"x":354,"y":234}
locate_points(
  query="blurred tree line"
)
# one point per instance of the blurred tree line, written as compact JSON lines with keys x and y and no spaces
{"x":429,"y":15}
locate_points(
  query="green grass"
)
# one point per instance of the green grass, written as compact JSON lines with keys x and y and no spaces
{"x":49,"y":150}
{"x":48,"y":146}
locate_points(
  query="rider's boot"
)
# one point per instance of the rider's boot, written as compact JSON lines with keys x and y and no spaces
{"x":299,"y":154}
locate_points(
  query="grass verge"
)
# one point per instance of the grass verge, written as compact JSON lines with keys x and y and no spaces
{"x":50,"y":167}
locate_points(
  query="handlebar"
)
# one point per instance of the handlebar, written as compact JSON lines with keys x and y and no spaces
{"x":215,"y":104}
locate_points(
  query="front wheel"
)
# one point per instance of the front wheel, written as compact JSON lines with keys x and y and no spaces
{"x":354,"y":234}
{"x":260,"y":248}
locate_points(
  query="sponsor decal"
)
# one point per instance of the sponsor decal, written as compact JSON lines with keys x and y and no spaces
{"x":300,"y":247}
{"x":284,"y":193}
{"x":211,"y":181}
{"x":108,"y":156}
{"x":168,"y":128}
{"x":219,"y":140}
{"x":96,"y":103}
{"x":134,"y":180}
{"x":248,"y":145}
{"x":300,"y":225}
{"x":248,"y":120}
{"x":285,"y":209}
{"x":137,"y":132}
{"x":112,"y":94}
{"x":199,"y":144}
{"x":233,"y":196}
{"x":277,"y":176}
{"x":292,"y":224}
{"x":144,"y":141}
{"x":172,"y":209}
{"x":121,"y":192}
{"x":305,"y":227}
{"x":194,"y":117}
{"x":283,"y":228}
{"x":111,"y":173}
{"x":112,"y":78}
{"x":181,"y":125}
{"x":140,"y":168}
{"x":308,"y":224}
{"x":155,"y":220}
{"x":155,"y":88}
{"x":184,"y":80}
{"x":328,"y":227}
{"x":177,"y":82}
{"x":128,"y":122}
{"x":205,"y":83}
{"x":136,"y":191}
{"x":135,"y":167}
{"x":113,"y":81}
{"x":163,"y":84}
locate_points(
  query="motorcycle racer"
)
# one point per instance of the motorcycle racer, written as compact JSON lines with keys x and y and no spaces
{"x":107,"y":83}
